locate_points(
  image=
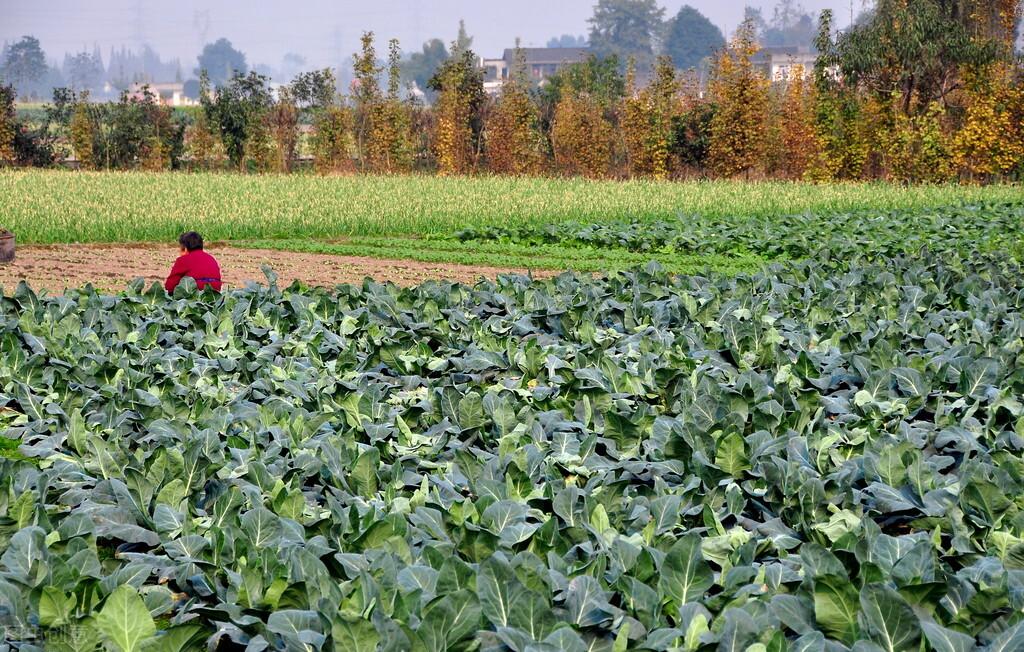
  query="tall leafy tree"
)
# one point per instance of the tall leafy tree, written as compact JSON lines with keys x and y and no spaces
{"x":840,"y":114}
{"x":237,"y":112}
{"x":791,"y":25}
{"x":647,"y":118}
{"x":24,"y":63}
{"x":690,"y":38}
{"x":628,"y":28}
{"x":567,"y":41}
{"x":600,"y":78}
{"x":463,"y":41}
{"x":916,"y":50}
{"x":457,"y":124}
{"x":391,"y":142}
{"x":84,"y":71}
{"x":420,"y":66}
{"x":221,"y":61}
{"x":585,"y":94}
{"x":366,"y":94}
{"x":740,"y":93}
{"x":582,"y":138}
{"x":83,"y":133}
{"x":514,"y":142}
{"x":8,"y":124}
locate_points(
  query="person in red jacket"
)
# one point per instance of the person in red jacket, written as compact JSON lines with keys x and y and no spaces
{"x":194,"y":262}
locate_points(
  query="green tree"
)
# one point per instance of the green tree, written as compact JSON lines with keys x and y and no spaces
{"x":24,"y":63}
{"x":691,"y":136}
{"x":915,"y":49}
{"x":600,"y":78}
{"x":647,"y":119}
{"x":8,"y":124}
{"x":839,"y":118}
{"x":567,"y":41}
{"x":366,"y":95}
{"x":203,"y":144}
{"x":463,"y":41}
{"x":331,"y":141}
{"x":283,"y":122}
{"x":137,"y":131}
{"x":390,"y":143}
{"x":420,"y":67}
{"x":515,"y":144}
{"x":221,"y":62}
{"x":314,"y":89}
{"x":582,"y":137}
{"x":791,"y":26}
{"x":83,"y":133}
{"x":740,"y":93}
{"x":237,"y":111}
{"x":84,"y":71}
{"x":627,"y":28}
{"x":457,"y":122}
{"x":690,"y":38}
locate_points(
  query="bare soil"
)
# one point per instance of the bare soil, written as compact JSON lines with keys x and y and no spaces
{"x":110,"y":267}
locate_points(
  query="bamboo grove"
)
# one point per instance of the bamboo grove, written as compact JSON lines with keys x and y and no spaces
{"x":913,"y":95}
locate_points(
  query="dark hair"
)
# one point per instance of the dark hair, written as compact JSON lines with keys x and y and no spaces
{"x":191,"y":240}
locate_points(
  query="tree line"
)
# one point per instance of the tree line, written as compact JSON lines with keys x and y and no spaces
{"x":919,"y":91}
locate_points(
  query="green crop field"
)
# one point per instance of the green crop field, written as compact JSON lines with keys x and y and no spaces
{"x":63,"y":206}
{"x":822,"y":455}
{"x":819,"y":450}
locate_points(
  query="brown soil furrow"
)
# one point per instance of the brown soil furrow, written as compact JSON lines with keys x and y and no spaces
{"x":111,"y":267}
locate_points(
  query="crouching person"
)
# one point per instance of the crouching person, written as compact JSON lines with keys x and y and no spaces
{"x":194,"y":263}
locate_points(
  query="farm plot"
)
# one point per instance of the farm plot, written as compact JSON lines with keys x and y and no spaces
{"x":50,"y":207}
{"x":808,"y":458}
{"x":112,"y":267}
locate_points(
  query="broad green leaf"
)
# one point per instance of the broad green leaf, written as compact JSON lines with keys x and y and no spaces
{"x":946,"y":640}
{"x":174,"y":639}
{"x":299,"y":628}
{"x":125,"y":620}
{"x":497,"y":589}
{"x":82,"y":637}
{"x":685,"y":576}
{"x":836,"y":608}
{"x":55,"y":607}
{"x":471,"y":411}
{"x":449,"y":620}
{"x":730,"y":455}
{"x":364,"y":473}
{"x":1009,"y":641}
{"x":888,"y":620}
{"x":354,"y":635}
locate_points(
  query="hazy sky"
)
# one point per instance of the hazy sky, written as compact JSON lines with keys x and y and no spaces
{"x":320,"y":30}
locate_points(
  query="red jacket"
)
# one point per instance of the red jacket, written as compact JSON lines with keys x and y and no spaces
{"x":198,"y":264}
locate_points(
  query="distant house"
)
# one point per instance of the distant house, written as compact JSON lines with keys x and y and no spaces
{"x":780,"y":63}
{"x":541,"y":63}
{"x":495,"y":74}
{"x":168,"y":94}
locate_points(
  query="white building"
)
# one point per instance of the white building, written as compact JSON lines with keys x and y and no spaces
{"x":541,"y":63}
{"x":780,"y":63}
{"x":168,"y":94}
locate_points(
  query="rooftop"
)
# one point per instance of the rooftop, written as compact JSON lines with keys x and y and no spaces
{"x":536,"y":56}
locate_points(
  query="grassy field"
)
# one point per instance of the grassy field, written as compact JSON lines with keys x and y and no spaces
{"x":510,"y":255}
{"x":62,"y":206}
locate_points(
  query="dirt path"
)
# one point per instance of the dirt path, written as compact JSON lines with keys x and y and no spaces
{"x":110,"y":267}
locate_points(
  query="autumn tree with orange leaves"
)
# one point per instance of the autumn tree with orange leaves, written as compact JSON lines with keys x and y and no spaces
{"x":646,"y":121}
{"x":740,"y":92}
{"x":581,"y":136}
{"x":459,"y":84}
{"x":515,"y":144}
{"x":390,"y":146}
{"x":990,"y":141}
